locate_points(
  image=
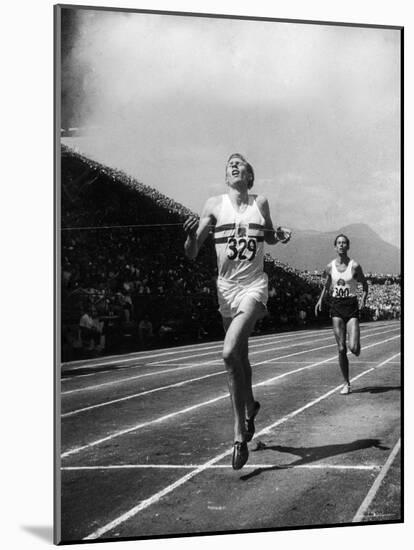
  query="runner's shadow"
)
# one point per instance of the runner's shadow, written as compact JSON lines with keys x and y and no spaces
{"x":313,"y":454}
{"x":377,"y":389}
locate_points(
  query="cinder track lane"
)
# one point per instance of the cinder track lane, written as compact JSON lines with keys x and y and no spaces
{"x":372,"y":414}
{"x":95,"y":424}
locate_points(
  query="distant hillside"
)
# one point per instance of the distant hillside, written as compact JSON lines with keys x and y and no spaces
{"x":314,"y":249}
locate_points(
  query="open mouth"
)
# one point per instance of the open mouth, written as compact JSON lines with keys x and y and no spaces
{"x":235,"y":173}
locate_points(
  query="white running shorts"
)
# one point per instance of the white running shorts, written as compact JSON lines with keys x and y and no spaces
{"x":231,"y":293}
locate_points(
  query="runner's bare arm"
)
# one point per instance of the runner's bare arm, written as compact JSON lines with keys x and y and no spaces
{"x":325,"y":289}
{"x":197,"y":229}
{"x":360,"y":277}
{"x":272,"y":235}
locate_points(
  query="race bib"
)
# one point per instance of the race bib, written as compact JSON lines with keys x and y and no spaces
{"x":341,"y":290}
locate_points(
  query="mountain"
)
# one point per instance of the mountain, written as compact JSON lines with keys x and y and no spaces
{"x":312,"y":250}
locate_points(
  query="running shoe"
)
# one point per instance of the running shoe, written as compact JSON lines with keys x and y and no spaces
{"x":240,"y":454}
{"x":346,"y":389}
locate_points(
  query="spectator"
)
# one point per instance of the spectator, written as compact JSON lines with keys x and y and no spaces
{"x":145,"y":331}
{"x":302,"y":316}
{"x":90,"y":329}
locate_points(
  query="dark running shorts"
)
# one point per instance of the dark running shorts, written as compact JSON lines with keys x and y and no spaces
{"x":345,"y":308}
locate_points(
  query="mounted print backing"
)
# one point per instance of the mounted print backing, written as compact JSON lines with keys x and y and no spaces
{"x":228,"y":274}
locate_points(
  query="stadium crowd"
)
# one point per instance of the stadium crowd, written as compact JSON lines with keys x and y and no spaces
{"x":384,"y":300}
{"x":126,"y":284}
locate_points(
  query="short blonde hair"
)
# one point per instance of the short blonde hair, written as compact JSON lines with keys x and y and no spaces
{"x":250,"y":171}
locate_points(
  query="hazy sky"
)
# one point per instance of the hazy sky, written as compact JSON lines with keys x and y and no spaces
{"x":316,"y":110}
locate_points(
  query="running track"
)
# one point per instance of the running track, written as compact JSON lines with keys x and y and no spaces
{"x":146,"y":439}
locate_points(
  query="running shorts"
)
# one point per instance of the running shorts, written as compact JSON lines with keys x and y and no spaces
{"x":345,"y":308}
{"x":232,"y":293}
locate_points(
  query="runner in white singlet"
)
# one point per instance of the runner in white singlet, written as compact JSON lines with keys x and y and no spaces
{"x":242,"y":224}
{"x":342,"y":277}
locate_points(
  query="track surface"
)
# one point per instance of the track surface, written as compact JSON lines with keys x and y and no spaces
{"x":146,"y":439}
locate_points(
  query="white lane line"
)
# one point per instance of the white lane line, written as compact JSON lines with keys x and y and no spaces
{"x":261,"y":350}
{"x":160,"y":419}
{"x":203,"y":363}
{"x":181,"y":481}
{"x":359,"y":516}
{"x":355,"y":362}
{"x":140,"y":356}
{"x":113,"y":359}
{"x":189,"y":380}
{"x":216,"y":348}
{"x":324,"y":396}
{"x":261,"y":345}
{"x":322,"y":466}
{"x":174,"y":369}
{"x":136,"y":356}
{"x":183,"y":367}
{"x":332,"y":345}
{"x":154,"y":498}
{"x":140,"y":394}
{"x":184,"y":382}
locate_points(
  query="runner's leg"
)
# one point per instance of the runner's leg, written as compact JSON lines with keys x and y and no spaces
{"x":352,"y":327}
{"x":235,"y":359}
{"x":248,"y":391}
{"x":339,"y":328}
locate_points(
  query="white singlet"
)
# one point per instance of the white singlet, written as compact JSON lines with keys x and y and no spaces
{"x":239,"y":241}
{"x":343,"y":284}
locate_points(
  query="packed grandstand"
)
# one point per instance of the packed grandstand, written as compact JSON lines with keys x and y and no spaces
{"x":126,"y":282}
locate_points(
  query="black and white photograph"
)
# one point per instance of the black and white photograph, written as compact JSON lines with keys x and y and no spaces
{"x":228,"y":300}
